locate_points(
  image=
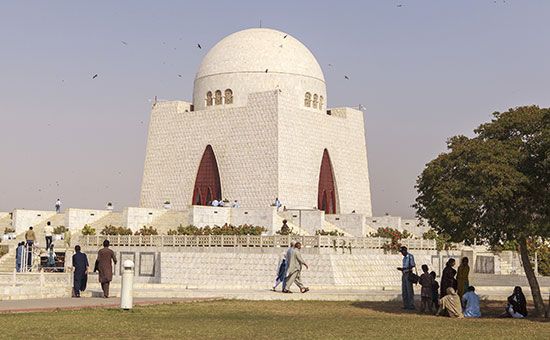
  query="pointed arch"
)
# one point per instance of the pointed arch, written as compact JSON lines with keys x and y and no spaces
{"x":207,"y":183}
{"x":326,"y":195}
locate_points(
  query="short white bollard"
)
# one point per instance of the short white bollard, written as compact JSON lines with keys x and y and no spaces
{"x":126,"y":298}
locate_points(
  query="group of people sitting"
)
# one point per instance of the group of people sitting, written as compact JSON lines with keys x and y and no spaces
{"x":457,"y":298}
{"x":221,"y":203}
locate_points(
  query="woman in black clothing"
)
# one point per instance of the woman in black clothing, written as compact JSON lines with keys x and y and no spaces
{"x":448,"y":278}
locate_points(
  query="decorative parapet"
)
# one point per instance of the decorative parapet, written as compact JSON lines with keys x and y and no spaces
{"x":250,"y":241}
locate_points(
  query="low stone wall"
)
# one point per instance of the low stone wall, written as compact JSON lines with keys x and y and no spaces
{"x":76,"y":219}
{"x":23,"y":219}
{"x":216,"y":270}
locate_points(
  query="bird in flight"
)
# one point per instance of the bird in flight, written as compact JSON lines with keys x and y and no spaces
{"x":399,"y":5}
{"x":286,"y":35}
{"x":179,"y":75}
{"x":124,"y":42}
{"x":346,"y":77}
{"x":199,"y":46}
{"x":95,"y":76}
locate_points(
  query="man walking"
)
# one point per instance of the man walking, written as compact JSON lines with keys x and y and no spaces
{"x":48,"y":231}
{"x":407,"y":291}
{"x":105,"y":267}
{"x":295,"y":269}
{"x":81,"y":268}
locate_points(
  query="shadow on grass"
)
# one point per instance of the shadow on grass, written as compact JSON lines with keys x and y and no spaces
{"x":489,"y":309}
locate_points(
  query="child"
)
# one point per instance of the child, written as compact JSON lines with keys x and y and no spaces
{"x":427,"y":283}
{"x":435,"y":291}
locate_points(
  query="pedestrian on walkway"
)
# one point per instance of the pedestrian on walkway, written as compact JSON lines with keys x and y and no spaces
{"x":281,"y":272}
{"x":448,"y":278}
{"x":407,"y":291}
{"x":288,"y":255}
{"x":48,"y":231}
{"x":58,"y":206}
{"x":295,"y":263}
{"x":19,"y":256}
{"x":427,"y":282}
{"x":80,"y":274}
{"x":462,"y":281}
{"x":105,"y":267}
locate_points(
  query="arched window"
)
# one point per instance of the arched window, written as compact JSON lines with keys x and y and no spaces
{"x":207,"y":183}
{"x":209,"y":98}
{"x":315,"y":101}
{"x":228,"y":96}
{"x":321,"y":102}
{"x":326,"y":195}
{"x":307,"y":100}
{"x":218,"y":97}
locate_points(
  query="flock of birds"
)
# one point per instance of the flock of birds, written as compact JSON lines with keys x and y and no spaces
{"x":200,"y":48}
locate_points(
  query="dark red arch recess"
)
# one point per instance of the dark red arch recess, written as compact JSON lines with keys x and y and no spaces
{"x":207,"y":184}
{"x":326,"y":196}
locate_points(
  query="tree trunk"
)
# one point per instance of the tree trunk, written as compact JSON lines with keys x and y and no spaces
{"x":530,"y":273}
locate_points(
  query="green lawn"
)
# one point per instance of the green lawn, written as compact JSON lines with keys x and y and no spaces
{"x":268,"y":320}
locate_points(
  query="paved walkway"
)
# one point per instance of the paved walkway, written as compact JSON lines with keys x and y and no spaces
{"x":41,"y":305}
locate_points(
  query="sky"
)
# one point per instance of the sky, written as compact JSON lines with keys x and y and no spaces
{"x":425,"y":70}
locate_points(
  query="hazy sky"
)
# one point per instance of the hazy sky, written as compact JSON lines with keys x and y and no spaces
{"x":425,"y":71}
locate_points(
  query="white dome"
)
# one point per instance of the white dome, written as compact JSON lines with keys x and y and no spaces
{"x":259,"y":49}
{"x":238,"y":63}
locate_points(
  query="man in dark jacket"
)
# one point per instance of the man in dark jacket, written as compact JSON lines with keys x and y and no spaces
{"x":81,"y":268}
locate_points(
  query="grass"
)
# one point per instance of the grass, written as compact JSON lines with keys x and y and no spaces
{"x":264,"y":320}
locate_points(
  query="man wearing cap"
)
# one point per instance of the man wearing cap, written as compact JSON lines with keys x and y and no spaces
{"x":407,"y":291}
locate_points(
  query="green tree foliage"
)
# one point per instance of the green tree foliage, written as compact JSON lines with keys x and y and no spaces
{"x":226,"y":229}
{"x":323,"y":232}
{"x":147,"y":231}
{"x":494,"y":186}
{"x":113,"y":230}
{"x":394,"y":235}
{"x":88,"y":230}
{"x":442,"y":241}
{"x":60,"y":229}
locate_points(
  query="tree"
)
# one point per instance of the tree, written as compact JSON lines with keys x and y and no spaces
{"x":495,"y":186}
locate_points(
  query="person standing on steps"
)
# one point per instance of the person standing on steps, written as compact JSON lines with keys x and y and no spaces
{"x":295,"y":263}
{"x":81,"y":268}
{"x":30,"y":238}
{"x":105,"y":267}
{"x":58,"y":206}
{"x":407,"y":291}
{"x":19,"y":255}
{"x":48,"y":231}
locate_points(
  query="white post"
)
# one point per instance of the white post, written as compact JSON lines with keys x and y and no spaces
{"x":126,"y":293}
